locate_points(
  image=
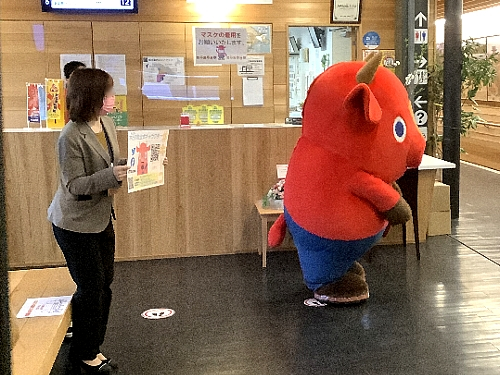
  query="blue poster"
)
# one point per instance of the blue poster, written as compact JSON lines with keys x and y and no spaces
{"x":43,"y":102}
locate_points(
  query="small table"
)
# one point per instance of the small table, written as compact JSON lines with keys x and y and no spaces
{"x":267,"y":215}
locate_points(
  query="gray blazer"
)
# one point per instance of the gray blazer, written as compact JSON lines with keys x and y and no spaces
{"x":81,"y":203}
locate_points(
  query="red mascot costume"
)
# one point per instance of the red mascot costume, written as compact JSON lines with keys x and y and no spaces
{"x":358,"y":137}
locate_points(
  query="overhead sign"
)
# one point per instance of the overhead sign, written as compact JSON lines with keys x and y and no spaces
{"x":420,"y":18}
{"x":421,"y":62}
{"x":421,"y":74}
{"x":419,"y":101}
{"x":421,"y":117}
{"x":421,"y":77}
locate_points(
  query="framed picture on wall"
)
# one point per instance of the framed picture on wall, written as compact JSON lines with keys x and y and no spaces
{"x":345,"y":11}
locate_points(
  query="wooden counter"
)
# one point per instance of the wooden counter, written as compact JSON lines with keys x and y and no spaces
{"x":206,"y":206}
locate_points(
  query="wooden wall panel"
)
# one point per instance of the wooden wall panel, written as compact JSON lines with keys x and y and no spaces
{"x":482,"y":146}
{"x":30,"y":182}
{"x":164,"y":28}
{"x":22,"y":61}
{"x":65,"y":37}
{"x":379,"y":16}
{"x":123,"y":38}
{"x":28,"y":56}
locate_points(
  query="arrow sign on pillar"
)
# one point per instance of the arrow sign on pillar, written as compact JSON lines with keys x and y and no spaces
{"x":422,"y":62}
{"x":418,"y":101}
{"x":420,"y":18}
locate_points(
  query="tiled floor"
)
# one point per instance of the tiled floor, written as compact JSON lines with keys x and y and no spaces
{"x":437,"y":316}
{"x":479,"y":223}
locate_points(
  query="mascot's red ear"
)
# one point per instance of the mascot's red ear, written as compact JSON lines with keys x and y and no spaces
{"x":362,"y":102}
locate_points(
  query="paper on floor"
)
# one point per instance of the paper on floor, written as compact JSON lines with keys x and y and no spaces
{"x":50,"y":306}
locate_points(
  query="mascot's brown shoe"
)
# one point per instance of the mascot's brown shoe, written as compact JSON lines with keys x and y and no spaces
{"x":358,"y":269}
{"x":351,"y":288}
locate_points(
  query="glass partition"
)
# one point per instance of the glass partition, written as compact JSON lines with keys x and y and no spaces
{"x":312,"y":49}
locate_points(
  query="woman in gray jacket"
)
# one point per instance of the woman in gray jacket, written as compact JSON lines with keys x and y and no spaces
{"x":82,"y":210}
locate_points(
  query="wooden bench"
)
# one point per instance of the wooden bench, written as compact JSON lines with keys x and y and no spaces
{"x":35,"y":350}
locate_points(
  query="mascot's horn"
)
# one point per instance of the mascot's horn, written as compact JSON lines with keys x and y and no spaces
{"x":367,"y":72}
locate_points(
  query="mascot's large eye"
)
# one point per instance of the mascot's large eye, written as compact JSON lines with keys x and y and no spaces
{"x":399,"y":129}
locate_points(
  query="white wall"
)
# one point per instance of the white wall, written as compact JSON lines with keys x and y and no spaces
{"x":474,"y":25}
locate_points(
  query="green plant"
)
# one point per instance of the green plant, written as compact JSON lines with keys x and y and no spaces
{"x":478,"y":71}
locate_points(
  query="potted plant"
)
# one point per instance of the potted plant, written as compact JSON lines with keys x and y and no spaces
{"x":478,"y":71}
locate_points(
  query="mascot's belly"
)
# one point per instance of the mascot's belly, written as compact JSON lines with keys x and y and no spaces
{"x":318,"y":198}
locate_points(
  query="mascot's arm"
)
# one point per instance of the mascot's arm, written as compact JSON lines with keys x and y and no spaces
{"x":386,"y":199}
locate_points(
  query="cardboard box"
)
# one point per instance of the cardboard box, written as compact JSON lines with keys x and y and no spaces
{"x":439,"y":223}
{"x":440,"y":198}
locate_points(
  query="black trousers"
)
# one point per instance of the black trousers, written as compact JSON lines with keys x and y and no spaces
{"x":90,"y":258}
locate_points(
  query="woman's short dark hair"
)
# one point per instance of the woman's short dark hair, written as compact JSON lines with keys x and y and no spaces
{"x":70,"y":67}
{"x":86,"y":91}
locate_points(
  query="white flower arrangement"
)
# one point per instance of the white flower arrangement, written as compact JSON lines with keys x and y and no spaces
{"x":275,"y":195}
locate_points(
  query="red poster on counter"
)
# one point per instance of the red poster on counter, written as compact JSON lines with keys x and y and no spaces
{"x":33,"y":102}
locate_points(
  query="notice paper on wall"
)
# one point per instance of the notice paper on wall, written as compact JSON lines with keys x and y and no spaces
{"x":253,"y":91}
{"x":50,"y":306}
{"x":254,"y":67}
{"x":116,"y":67}
{"x":119,"y":113}
{"x":164,"y":70}
{"x":66,"y":58}
{"x":219,"y":45}
{"x":146,"y":151}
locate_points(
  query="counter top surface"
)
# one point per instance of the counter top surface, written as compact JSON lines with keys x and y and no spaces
{"x":193,"y":127}
{"x":430,"y":162}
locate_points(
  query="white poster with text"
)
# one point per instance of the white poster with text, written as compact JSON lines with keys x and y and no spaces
{"x":146,"y":151}
{"x":220,"y":45}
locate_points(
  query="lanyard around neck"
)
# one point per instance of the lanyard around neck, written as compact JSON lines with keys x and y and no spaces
{"x":108,"y":142}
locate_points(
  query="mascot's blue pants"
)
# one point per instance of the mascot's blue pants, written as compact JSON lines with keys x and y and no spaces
{"x":325,"y":261}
